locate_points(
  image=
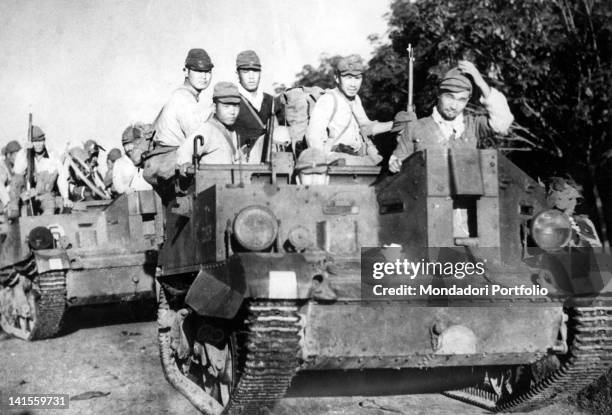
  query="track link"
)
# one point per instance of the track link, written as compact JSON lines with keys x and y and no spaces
{"x":589,"y":357}
{"x":48,"y":297}
{"x":267,"y":350}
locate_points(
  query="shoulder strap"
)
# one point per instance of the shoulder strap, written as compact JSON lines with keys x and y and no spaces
{"x":253,"y":112}
{"x":334,"y":111}
{"x":225,"y":134}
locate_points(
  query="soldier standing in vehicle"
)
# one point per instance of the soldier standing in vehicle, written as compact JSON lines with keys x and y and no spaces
{"x":6,"y":172}
{"x":45,"y":170}
{"x":179,"y":117}
{"x":339,"y":125}
{"x":448,"y":126}
{"x":255,"y":106}
{"x":220,"y":141}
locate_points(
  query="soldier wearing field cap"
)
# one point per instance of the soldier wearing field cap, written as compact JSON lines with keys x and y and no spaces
{"x":220,"y":141}
{"x":179,"y":117}
{"x":255,"y":105}
{"x":339,"y":125}
{"x":6,"y":172}
{"x":448,"y":126}
{"x":127,"y":174}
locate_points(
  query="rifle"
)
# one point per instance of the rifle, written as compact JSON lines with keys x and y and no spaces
{"x":410,"y":49}
{"x":30,"y":182}
{"x":266,"y":154}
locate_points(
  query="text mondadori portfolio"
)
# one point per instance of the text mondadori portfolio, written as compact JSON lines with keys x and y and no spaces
{"x":468,"y":290}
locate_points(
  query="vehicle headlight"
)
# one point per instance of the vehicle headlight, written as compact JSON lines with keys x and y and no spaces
{"x":551,"y":229}
{"x":255,"y":228}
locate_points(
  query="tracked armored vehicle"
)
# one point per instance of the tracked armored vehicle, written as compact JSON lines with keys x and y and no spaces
{"x":261,"y":279}
{"x":105,"y":251}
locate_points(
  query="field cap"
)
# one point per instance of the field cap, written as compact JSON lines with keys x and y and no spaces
{"x":91,"y":146}
{"x":311,"y":161}
{"x":37,"y":133}
{"x":114,"y":154}
{"x":455,"y":81}
{"x":12,"y":147}
{"x":226,"y":93}
{"x":350,"y":65}
{"x":198,"y":60}
{"x":248,"y":59}
{"x":78,"y":153}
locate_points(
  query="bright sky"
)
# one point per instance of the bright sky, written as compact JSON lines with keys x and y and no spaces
{"x":88,"y":68}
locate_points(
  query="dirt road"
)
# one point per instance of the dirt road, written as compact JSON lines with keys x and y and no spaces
{"x":114,"y":369}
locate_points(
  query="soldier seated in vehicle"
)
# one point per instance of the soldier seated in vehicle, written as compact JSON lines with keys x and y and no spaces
{"x":564,"y":194}
{"x":220,"y":141}
{"x":338,"y":124}
{"x":448,"y":126}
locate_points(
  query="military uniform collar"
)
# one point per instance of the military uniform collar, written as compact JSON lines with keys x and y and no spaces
{"x":255,"y":99}
{"x":191,"y":90}
{"x":456,"y":124}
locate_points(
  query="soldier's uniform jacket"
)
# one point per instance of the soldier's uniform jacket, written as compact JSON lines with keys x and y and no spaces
{"x":463,"y":132}
{"x":220,"y":145}
{"x":5,"y":180}
{"x":336,"y":120}
{"x":181,"y":115}
{"x":253,"y":116}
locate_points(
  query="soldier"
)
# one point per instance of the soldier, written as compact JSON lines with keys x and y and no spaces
{"x":127,"y":176}
{"x":448,"y":126}
{"x":179,"y":117}
{"x":78,"y":177}
{"x":92,"y":149}
{"x":113,"y":156}
{"x":255,"y":105}
{"x":220,"y":140}
{"x":564,"y":194}
{"x":6,"y":172}
{"x":339,"y":125}
{"x":45,"y":170}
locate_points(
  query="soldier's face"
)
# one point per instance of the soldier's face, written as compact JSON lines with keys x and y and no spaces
{"x":349,"y":84}
{"x":199,"y":80}
{"x":451,"y":104}
{"x":249,"y":79}
{"x":39,"y":146}
{"x":227,"y":113}
{"x":10,"y":157}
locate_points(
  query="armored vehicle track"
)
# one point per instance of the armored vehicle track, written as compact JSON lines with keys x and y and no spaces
{"x":263,"y":356}
{"x":589,"y":356}
{"x":34,"y":304}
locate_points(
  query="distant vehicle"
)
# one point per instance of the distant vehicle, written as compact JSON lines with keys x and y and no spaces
{"x":104,"y":251}
{"x":260,"y":278}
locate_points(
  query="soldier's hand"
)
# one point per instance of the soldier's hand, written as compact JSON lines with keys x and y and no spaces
{"x":395,"y":164}
{"x":67,"y":203}
{"x":469,"y":68}
{"x":185,"y":169}
{"x":401,"y":120}
{"x":27,"y":194}
{"x":12,"y":212}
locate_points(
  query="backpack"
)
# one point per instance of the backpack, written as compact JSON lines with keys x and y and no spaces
{"x":298,"y":104}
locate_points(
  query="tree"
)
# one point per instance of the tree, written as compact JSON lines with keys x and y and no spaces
{"x":322,"y":76}
{"x":551,"y":58}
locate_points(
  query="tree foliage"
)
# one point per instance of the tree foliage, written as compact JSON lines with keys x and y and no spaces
{"x":551,"y":58}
